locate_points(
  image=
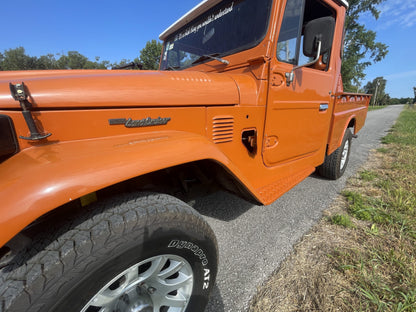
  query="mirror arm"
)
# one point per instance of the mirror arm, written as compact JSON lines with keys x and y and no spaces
{"x":291,"y":76}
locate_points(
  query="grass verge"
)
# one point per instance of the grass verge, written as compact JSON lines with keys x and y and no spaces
{"x":371,"y":108}
{"x":361,"y":256}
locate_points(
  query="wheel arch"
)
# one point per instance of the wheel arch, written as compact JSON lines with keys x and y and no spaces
{"x":337,"y":133}
{"x":40,"y":179}
{"x":352,"y":124}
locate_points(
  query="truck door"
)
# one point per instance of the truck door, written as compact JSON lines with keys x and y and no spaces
{"x":298,"y":115}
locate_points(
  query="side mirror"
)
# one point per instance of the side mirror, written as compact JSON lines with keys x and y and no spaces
{"x":320,"y":29}
{"x":318,"y":35}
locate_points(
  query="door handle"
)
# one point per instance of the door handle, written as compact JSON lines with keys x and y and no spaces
{"x":323,"y":107}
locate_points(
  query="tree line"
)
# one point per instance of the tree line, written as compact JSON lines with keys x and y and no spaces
{"x":17,"y":59}
{"x":377,"y":87}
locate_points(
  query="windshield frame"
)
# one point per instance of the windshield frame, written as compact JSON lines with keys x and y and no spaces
{"x":198,"y":20}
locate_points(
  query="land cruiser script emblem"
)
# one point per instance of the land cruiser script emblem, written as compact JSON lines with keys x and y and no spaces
{"x":146,"y":122}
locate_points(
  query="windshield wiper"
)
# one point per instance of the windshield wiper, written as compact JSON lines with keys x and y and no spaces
{"x":172,"y":68}
{"x":131,"y":65}
{"x":210,"y":56}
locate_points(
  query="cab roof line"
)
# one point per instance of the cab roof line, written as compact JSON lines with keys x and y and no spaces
{"x":202,"y":7}
{"x":196,"y":11}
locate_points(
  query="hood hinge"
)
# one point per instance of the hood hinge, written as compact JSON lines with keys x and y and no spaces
{"x":19,"y":94}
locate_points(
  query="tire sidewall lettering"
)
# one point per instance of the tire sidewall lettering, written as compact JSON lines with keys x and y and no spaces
{"x":199,"y":253}
{"x":194,"y":248}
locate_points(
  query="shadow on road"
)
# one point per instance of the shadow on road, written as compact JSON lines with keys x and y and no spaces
{"x":316,"y":175}
{"x":215,"y":303}
{"x":221,"y":205}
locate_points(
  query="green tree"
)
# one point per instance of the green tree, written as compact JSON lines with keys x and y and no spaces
{"x":17,"y":59}
{"x":377,"y":87}
{"x":150,"y":55}
{"x":73,"y":60}
{"x":361,"y":49}
{"x":46,"y":62}
{"x":396,"y":101}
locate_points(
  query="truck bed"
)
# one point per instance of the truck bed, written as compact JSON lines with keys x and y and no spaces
{"x":350,"y":110}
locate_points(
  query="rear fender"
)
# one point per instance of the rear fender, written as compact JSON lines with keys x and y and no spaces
{"x":348,"y":107}
{"x":337,"y":133}
{"x":39,"y":179}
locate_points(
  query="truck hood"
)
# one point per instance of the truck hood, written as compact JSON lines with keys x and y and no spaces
{"x":103,"y":88}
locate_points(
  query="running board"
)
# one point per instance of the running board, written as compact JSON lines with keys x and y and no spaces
{"x":273,"y":191}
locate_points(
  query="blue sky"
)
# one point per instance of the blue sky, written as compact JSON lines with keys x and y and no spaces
{"x":396,"y":27}
{"x":114,"y":30}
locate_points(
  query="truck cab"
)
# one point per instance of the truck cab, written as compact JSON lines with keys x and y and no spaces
{"x":96,"y":166}
{"x":282,"y":78}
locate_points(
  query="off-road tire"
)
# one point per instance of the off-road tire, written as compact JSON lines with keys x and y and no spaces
{"x":66,"y":267}
{"x":335,"y":164}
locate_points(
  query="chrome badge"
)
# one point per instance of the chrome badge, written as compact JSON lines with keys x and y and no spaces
{"x":146,"y":122}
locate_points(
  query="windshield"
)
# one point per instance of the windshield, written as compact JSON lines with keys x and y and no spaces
{"x":229,"y":27}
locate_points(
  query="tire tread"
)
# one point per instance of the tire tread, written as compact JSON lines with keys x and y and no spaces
{"x":330,"y":168}
{"x":36,"y":268}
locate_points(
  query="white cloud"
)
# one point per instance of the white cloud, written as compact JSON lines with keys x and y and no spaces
{"x":398,"y":12}
{"x":401,"y":75}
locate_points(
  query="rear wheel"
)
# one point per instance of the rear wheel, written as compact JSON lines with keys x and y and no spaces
{"x":336,"y":163}
{"x":146,"y":253}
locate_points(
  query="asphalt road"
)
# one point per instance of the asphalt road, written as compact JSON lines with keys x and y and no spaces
{"x":254,"y":240}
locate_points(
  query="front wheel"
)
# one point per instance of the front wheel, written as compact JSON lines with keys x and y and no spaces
{"x":160,"y":283}
{"x":145,"y":253}
{"x":336,"y":163}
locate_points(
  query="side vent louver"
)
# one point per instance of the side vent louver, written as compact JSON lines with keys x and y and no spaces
{"x":222,"y":129}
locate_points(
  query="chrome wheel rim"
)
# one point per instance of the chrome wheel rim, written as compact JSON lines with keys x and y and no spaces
{"x":344,"y":155}
{"x":158,"y":284}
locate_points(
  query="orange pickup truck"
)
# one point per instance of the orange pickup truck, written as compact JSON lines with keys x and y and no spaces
{"x":96,"y":166}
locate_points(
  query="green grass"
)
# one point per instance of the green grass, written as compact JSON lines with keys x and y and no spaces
{"x":343,"y":220}
{"x":382,"y":150}
{"x":383,"y":270}
{"x":367,"y":175}
{"x":366,"y":208}
{"x":371,"y":108}
{"x":404,"y":131}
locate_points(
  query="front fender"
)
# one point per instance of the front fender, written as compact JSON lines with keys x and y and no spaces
{"x":39,"y":179}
